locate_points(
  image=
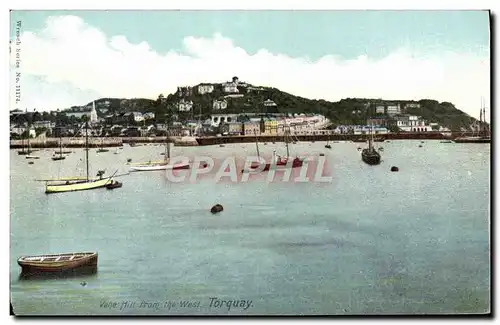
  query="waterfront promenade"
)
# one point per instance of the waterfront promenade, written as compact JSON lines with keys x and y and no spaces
{"x":214,"y":140}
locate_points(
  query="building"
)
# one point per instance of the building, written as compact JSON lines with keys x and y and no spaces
{"x":270,"y":126}
{"x":269,"y":103}
{"x":184,"y":91}
{"x":205,"y":88}
{"x":184,"y":106}
{"x":412,"y":105}
{"x":44,"y":124}
{"x":231,"y":87}
{"x":393,"y":109}
{"x":217,"y":119}
{"x":149,"y":116}
{"x":234,"y":96}
{"x":412,"y":123}
{"x":377,"y":121}
{"x":379,"y":109}
{"x":219,"y":104}
{"x":137,"y":117}
{"x":232,"y":128}
{"x":251,"y":128}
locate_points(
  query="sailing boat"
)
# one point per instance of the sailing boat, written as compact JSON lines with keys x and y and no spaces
{"x":60,"y":156}
{"x":70,"y":184}
{"x":328,"y":146}
{"x":160,"y":165}
{"x":282,"y":161}
{"x":102,"y":149}
{"x":29,"y":151}
{"x":483,"y":126}
{"x":370,"y":155}
{"x":257,"y":164}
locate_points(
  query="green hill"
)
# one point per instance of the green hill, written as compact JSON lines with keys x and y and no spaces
{"x":345,"y":111}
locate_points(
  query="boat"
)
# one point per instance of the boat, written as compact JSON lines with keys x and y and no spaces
{"x":278,"y":160}
{"x":484,"y":135}
{"x":32,"y":157}
{"x":102,"y":149}
{"x":160,"y":165}
{"x":446,"y":141}
{"x":370,"y":155}
{"x":113,"y":185}
{"x":328,"y":146}
{"x":57,"y":262}
{"x":28,"y":150}
{"x":256,"y":164}
{"x":71,"y":184}
{"x":59,"y":156}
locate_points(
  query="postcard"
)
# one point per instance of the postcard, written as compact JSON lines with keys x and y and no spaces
{"x":250,"y":163}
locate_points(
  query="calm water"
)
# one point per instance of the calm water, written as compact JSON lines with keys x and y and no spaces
{"x":369,"y":242}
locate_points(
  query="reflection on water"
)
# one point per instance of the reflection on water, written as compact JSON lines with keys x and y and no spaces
{"x":81,"y":273}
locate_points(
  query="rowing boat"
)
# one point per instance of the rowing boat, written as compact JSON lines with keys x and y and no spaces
{"x":57,"y":262}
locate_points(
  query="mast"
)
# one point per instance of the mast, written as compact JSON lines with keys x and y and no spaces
{"x":167,"y":147}
{"x":87,"y":148}
{"x":370,"y":141}
{"x":286,"y":140}
{"x":60,"y":144}
{"x":257,"y":143}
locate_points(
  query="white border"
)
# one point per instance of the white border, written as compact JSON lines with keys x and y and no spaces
{"x":192,"y":4}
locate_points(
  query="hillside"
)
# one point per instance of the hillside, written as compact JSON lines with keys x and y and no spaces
{"x":345,"y":111}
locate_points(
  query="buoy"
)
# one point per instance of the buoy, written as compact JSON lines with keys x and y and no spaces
{"x":420,"y":146}
{"x":321,"y":154}
{"x":394,"y":169}
{"x":129,"y":160}
{"x":83,"y":284}
{"x":30,"y":163}
{"x":216,"y":208}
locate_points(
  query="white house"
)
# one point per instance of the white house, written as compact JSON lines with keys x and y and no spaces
{"x":269,"y":103}
{"x":138,"y":117}
{"x":379,"y":109}
{"x":412,"y":105}
{"x":393,"y":109}
{"x":184,"y":106}
{"x":216,"y":119}
{"x":219,"y":104}
{"x":205,"y":89}
{"x":231,"y":87}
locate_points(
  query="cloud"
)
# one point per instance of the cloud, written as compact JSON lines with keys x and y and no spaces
{"x":71,"y":63}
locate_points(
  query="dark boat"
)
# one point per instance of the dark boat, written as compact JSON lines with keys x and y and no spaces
{"x":57,"y":263}
{"x":113,"y":185}
{"x":328,"y":146}
{"x":370,"y":155}
{"x":483,"y":135}
{"x":59,"y":155}
{"x":27,"y":150}
{"x":102,"y":149}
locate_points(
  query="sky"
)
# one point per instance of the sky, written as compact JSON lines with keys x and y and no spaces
{"x":73,"y":57}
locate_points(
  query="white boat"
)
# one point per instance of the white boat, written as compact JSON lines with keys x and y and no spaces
{"x":71,"y":184}
{"x":159,"y":165}
{"x":32,"y":157}
{"x":162,"y":166}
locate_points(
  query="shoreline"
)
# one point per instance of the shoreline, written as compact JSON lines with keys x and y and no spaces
{"x":214,"y":140}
